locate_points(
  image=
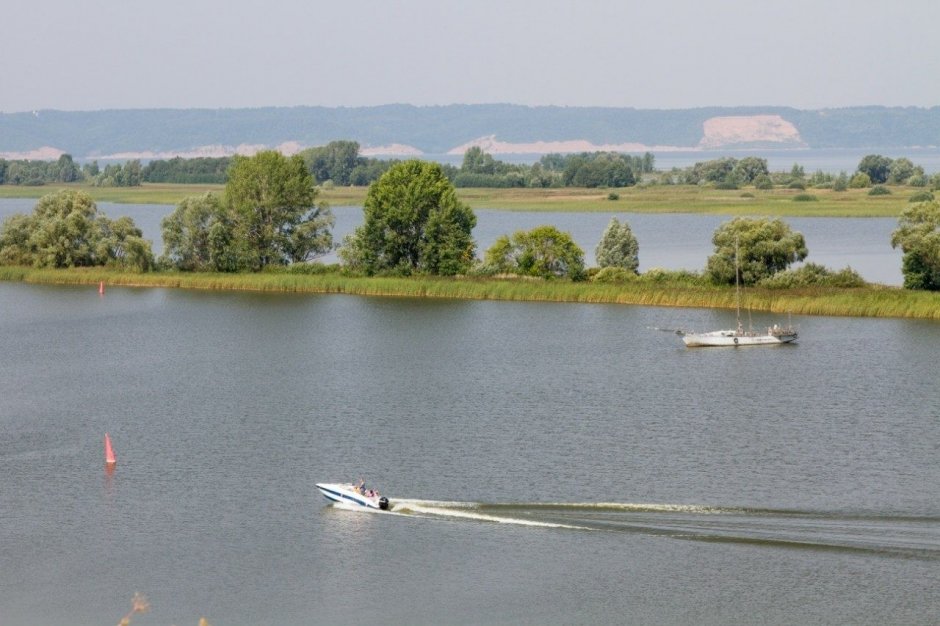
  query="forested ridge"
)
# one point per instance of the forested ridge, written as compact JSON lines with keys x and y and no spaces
{"x":438,"y":129}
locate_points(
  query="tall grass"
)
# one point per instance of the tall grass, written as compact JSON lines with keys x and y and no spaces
{"x":871,"y":301}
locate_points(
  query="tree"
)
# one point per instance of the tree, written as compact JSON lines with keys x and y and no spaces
{"x":748,"y":169}
{"x":918,"y":235}
{"x":197,"y":236}
{"x":543,"y":251}
{"x":618,"y":247}
{"x":413,"y":223}
{"x":900,"y":171}
{"x":876,"y":166}
{"x":66,"y":230}
{"x":763,"y":246}
{"x":335,"y":161}
{"x":271,"y":201}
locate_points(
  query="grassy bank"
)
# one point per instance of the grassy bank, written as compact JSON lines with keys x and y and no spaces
{"x":875,"y":301}
{"x":655,"y":199}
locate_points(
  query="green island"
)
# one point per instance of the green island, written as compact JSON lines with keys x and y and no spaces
{"x":235,"y":237}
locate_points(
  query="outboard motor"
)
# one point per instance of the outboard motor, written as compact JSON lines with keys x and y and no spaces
{"x":383,"y":503}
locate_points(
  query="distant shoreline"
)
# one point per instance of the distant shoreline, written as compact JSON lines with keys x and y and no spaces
{"x":639,"y":199}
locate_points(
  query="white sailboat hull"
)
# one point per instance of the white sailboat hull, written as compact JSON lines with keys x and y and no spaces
{"x":731,"y":338}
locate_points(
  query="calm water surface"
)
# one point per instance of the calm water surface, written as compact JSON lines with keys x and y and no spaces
{"x":547,"y":463}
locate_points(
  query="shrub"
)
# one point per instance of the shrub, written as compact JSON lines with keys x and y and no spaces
{"x":813,"y":275}
{"x":805,"y":197}
{"x":763,"y":182}
{"x":726,"y":184}
{"x":921,"y":196}
{"x":612,"y":274}
{"x":797,"y":184}
{"x":613,"y":196}
{"x":747,"y":194}
{"x":860,"y":181}
{"x":879,"y":190}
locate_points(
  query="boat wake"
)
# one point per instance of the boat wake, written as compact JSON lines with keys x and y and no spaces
{"x":885,"y":534}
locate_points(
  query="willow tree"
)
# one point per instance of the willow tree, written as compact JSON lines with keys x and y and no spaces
{"x":918,"y":235}
{"x":66,"y":230}
{"x":618,"y":247}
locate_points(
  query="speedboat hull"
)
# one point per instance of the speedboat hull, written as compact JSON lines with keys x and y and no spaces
{"x":348,"y":495}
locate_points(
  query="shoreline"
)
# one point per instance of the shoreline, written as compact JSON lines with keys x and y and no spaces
{"x":872,"y":301}
{"x":687,"y":199}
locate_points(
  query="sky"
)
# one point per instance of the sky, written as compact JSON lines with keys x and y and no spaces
{"x":662,"y":54}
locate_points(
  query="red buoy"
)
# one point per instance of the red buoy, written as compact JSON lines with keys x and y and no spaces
{"x":108,"y":452}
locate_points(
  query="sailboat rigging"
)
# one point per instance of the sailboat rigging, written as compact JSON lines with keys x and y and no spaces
{"x":775,"y":335}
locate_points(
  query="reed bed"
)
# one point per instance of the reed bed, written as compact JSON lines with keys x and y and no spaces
{"x":872,"y":301}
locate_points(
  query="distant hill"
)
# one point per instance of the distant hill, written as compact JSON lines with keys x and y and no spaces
{"x":499,"y":128}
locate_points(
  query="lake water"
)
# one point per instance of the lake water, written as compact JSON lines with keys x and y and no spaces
{"x":547,"y":463}
{"x":670,"y":241}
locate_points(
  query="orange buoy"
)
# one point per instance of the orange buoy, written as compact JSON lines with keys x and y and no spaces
{"x":108,"y":452}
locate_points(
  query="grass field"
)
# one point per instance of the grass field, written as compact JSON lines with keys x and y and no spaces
{"x":653,"y":199}
{"x":873,"y":301}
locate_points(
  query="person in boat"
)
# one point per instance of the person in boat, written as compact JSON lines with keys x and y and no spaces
{"x":360,"y":487}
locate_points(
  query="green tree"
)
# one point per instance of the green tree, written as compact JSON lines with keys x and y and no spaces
{"x":543,"y":251}
{"x":271,"y":201}
{"x":198,"y":235}
{"x":861,"y":180}
{"x":748,"y":169}
{"x":66,"y":230}
{"x":618,"y":247}
{"x":900,"y":171}
{"x":918,"y":235}
{"x":876,"y":166}
{"x":763,"y":246}
{"x":335,"y":161}
{"x":413,"y":223}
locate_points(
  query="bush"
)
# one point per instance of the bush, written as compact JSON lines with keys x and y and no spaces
{"x":612,"y":274}
{"x":921,"y":196}
{"x":805,"y":197}
{"x":813,"y":275}
{"x":797,"y":184}
{"x":659,"y":275}
{"x":613,"y":196}
{"x":860,"y":181}
{"x":826,"y":185}
{"x":726,"y":185}
{"x":747,"y":194}
{"x":879,"y":190}
{"x":763,"y":182}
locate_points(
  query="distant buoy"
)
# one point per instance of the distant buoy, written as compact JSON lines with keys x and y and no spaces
{"x":101,"y":288}
{"x":108,"y":452}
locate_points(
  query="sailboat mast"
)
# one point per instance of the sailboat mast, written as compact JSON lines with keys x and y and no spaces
{"x":737,"y":282}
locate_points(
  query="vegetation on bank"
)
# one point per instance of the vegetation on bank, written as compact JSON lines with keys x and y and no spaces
{"x":689,"y":199}
{"x":653,"y":289}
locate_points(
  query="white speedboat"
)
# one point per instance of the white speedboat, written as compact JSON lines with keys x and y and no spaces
{"x":353,"y":495}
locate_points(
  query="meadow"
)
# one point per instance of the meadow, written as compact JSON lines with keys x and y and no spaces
{"x":639,"y":199}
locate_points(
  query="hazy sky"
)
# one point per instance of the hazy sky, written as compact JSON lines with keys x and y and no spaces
{"x":97,"y":54}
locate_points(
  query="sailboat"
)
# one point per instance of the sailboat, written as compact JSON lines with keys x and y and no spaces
{"x":774,"y":335}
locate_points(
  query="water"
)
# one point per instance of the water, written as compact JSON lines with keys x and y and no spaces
{"x":671,"y":241}
{"x":547,"y":463}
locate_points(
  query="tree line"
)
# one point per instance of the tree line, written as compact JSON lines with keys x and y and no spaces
{"x":268,"y":216}
{"x":339,"y":163}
